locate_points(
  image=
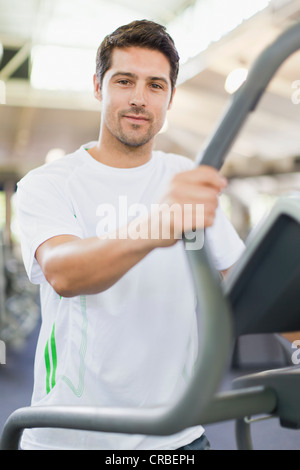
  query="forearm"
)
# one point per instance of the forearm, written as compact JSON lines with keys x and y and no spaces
{"x":92,"y":265}
{"x":74,"y":266}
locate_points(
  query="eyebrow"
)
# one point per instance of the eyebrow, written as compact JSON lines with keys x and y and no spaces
{"x":133,"y":75}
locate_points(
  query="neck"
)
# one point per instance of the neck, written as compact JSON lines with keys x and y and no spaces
{"x":119,"y":155}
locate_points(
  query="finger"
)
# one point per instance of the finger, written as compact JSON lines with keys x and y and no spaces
{"x":205,"y":175}
{"x":193,"y":193}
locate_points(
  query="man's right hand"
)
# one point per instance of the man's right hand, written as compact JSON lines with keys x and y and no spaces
{"x":188,"y":204}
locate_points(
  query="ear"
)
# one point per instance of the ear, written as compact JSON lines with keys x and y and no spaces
{"x":97,"y":88}
{"x":171,"y":99}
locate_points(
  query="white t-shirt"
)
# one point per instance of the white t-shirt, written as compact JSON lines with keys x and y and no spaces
{"x":133,"y":345}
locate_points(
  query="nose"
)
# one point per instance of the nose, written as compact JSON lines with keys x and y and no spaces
{"x":138,"y":96}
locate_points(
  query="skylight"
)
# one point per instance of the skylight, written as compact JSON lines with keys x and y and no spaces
{"x":65,"y":57}
{"x":207,"y":21}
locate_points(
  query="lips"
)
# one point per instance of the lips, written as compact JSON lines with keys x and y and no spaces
{"x":136,"y":115}
{"x":136,"y":119}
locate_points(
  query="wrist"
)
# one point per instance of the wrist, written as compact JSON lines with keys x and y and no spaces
{"x":148,"y":232}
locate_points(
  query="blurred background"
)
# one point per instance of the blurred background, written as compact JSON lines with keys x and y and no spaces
{"x":47,"y":109}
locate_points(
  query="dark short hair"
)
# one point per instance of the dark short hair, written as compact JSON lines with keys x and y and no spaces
{"x":140,"y":33}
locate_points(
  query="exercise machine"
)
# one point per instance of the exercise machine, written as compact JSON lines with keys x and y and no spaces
{"x":19,"y":299}
{"x":260,"y":295}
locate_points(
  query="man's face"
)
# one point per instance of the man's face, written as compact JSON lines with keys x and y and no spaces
{"x":135,"y":95}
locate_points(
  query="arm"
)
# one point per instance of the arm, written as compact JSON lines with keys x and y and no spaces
{"x":74,"y":266}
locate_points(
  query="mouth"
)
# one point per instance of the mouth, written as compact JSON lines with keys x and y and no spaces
{"x":136,"y":119}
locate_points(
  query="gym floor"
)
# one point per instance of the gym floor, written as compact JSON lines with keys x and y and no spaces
{"x":16,"y":378}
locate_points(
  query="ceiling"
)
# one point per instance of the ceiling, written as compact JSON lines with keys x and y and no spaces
{"x":35,"y":121}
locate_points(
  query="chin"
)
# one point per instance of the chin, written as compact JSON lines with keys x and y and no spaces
{"x":133,"y":142}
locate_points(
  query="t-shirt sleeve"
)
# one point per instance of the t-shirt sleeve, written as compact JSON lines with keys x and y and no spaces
{"x":43,"y":211}
{"x":225,"y":245}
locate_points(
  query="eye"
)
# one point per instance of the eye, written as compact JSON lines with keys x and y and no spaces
{"x":156,"y":86}
{"x":123,"y":82}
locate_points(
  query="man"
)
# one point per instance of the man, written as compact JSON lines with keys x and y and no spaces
{"x":117,"y":298}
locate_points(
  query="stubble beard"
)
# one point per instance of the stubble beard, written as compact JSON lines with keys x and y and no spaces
{"x":134,"y":141}
{"x":134,"y":137}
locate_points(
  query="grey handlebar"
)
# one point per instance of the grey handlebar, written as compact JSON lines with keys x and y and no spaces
{"x":185,"y":412}
{"x":247,"y":97}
